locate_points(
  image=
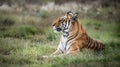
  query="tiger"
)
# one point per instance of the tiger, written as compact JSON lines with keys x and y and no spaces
{"x":74,"y":37}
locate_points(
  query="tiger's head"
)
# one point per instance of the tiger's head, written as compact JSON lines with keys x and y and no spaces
{"x":63,"y":23}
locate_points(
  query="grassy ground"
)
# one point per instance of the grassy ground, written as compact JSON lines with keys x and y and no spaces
{"x":23,"y":43}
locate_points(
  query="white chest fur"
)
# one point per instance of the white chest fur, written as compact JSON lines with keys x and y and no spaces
{"x":63,"y":45}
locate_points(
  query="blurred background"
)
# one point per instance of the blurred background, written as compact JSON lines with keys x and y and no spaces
{"x":26,"y":32}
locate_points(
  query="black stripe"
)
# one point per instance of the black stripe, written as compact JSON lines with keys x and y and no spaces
{"x":90,"y":43}
{"x":72,"y":37}
{"x":98,"y":45}
{"x":69,"y":47}
{"x":62,"y":23}
{"x":93,"y":44}
{"x":61,"y":50}
{"x":66,"y":25}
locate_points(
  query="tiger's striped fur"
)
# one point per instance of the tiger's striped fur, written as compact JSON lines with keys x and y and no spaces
{"x":73,"y":37}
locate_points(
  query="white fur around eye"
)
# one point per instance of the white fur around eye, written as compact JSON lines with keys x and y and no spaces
{"x":54,"y":28}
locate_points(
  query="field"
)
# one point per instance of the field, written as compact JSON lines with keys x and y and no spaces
{"x":25,"y":39}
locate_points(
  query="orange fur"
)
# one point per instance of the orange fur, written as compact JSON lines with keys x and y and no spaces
{"x":78,"y":38}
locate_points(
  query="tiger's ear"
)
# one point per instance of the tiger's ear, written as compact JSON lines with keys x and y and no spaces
{"x":69,"y":14}
{"x":75,"y":17}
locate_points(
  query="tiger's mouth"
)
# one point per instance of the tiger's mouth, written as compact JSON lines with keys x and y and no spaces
{"x":57,"y":29}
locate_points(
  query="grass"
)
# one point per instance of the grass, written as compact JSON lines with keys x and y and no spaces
{"x":39,"y":40}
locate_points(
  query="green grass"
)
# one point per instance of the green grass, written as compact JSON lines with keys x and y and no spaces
{"x":36,"y":39}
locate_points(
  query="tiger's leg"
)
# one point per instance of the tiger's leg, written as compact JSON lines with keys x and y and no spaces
{"x":58,"y":51}
{"x":54,"y":54}
{"x":75,"y":48}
